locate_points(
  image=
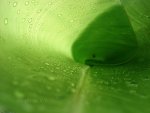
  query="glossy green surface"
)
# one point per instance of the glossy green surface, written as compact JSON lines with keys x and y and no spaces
{"x":38,"y":74}
{"x":109,"y":39}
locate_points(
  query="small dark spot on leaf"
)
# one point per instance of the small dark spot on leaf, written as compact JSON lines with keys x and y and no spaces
{"x":93,"y":55}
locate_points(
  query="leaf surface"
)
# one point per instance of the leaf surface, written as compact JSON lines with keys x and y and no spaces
{"x":38,"y":75}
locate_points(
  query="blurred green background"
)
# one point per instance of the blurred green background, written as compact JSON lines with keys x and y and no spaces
{"x":38,"y":75}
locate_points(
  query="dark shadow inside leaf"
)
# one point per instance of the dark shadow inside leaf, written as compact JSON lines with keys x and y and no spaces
{"x":109,"y":39}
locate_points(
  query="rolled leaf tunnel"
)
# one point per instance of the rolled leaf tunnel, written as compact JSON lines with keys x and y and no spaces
{"x":104,"y":31}
{"x":46,"y":45}
{"x":109,"y":39}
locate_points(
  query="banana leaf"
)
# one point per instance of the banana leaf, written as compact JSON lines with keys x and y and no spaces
{"x":42,"y":71}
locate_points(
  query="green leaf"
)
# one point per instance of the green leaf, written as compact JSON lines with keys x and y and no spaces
{"x":37,"y":70}
{"x":110,"y":39}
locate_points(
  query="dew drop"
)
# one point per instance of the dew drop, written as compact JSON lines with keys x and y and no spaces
{"x":27,"y":3}
{"x":15,"y":82}
{"x":41,"y":68}
{"x":147,"y":16}
{"x":112,"y":88}
{"x":50,"y":3}
{"x":33,"y":1}
{"x":101,"y":82}
{"x":64,"y":70}
{"x":18,"y":12}
{"x":36,"y":3}
{"x":28,"y":107}
{"x":146,"y":78}
{"x":30,"y":20}
{"x":106,"y":82}
{"x":6,"y":21}
{"x":99,"y":87}
{"x":19,"y":94}
{"x":132,"y":91}
{"x":72,"y":71}
{"x":57,"y":68}
{"x":52,"y":71}
{"x":72,"y":84}
{"x":47,"y":64}
{"x":132,"y":84}
{"x":51,"y":78}
{"x":39,"y":11}
{"x":73,"y":90}
{"x":94,"y":8}
{"x":114,"y":82}
{"x":59,"y":15}
{"x":58,"y":90}
{"x":9,"y":58}
{"x":71,"y":21}
{"x":14,"y":4}
{"x":143,"y":96}
{"x":95,"y":72}
{"x":49,"y":88}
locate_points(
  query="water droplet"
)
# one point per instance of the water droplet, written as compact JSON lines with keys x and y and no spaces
{"x":6,"y":21}
{"x":58,"y":90}
{"x":50,"y":3}
{"x":9,"y":58}
{"x":41,"y":68}
{"x":19,"y":94}
{"x":49,"y":88}
{"x":72,"y":84}
{"x":51,"y":78}
{"x":14,"y":4}
{"x":95,"y":72}
{"x":94,"y":8}
{"x":101,"y":82}
{"x":39,"y":11}
{"x":146,"y":78}
{"x":114,"y":82}
{"x":33,"y":1}
{"x":71,"y":20}
{"x":18,"y":12}
{"x":112,"y":88}
{"x":73,"y":90}
{"x":57,"y":68}
{"x":25,"y":83}
{"x":27,"y":3}
{"x":28,"y":107}
{"x":15,"y":82}
{"x":59,"y":15}
{"x":106,"y":82}
{"x":36,"y":3}
{"x":147,"y":16}
{"x":47,"y":64}
{"x":52,"y":70}
{"x":72,"y":71}
{"x":132,"y":91}
{"x":132,"y":84}
{"x":30,"y":20}
{"x":64,"y":70}
{"x":143,"y":96}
